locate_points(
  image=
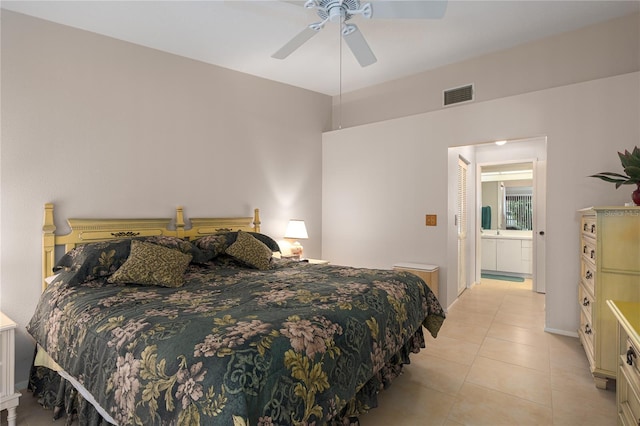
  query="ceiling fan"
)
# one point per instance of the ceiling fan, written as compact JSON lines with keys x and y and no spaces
{"x":343,"y":10}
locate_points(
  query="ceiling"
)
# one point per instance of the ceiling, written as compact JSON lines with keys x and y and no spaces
{"x":242,"y":35}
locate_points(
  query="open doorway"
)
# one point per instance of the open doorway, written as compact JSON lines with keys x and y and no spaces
{"x":506,"y":220}
{"x":510,"y":195}
{"x":530,"y":150}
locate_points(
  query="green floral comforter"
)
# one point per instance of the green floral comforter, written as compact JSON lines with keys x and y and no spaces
{"x":298,"y":344}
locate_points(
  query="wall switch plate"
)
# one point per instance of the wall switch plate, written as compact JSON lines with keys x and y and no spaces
{"x":431,"y":220}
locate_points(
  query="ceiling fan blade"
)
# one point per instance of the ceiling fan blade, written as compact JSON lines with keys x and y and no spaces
{"x":358,"y":45}
{"x":295,"y":43}
{"x":411,"y":9}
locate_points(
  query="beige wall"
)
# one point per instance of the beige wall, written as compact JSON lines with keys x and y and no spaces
{"x":105,"y":128}
{"x":394,"y":159}
{"x":610,"y":48}
{"x":380,"y":179}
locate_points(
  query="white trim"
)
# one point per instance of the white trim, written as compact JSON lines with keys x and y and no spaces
{"x":561,"y":332}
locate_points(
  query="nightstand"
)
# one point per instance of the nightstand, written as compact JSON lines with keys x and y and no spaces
{"x":318,"y":261}
{"x":429,"y":273}
{"x":8,"y":395}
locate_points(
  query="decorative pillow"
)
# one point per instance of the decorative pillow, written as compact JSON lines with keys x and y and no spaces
{"x":251,"y":251}
{"x":94,"y":260}
{"x":267,"y":240}
{"x":213,"y":245}
{"x":184,"y":246}
{"x":217,"y":244}
{"x":152,"y":264}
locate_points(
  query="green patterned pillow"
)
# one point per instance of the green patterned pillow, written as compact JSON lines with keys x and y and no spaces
{"x":251,"y":251}
{"x":152,"y":264}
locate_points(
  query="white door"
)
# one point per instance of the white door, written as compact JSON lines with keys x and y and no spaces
{"x":461,"y":219}
{"x":539,"y":224}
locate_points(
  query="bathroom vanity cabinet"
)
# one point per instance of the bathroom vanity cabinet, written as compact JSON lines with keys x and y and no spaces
{"x":507,"y":253}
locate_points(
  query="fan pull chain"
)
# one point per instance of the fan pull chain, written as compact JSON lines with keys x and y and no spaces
{"x":340,"y":80}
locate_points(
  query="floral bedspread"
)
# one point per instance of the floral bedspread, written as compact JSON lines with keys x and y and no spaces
{"x":298,"y":344}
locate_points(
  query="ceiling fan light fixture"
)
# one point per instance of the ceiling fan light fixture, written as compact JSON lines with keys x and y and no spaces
{"x":336,"y":14}
{"x":340,"y":11}
{"x":348,"y":29}
{"x":365,"y":11}
{"x":311,"y":4}
{"x":317,"y":26}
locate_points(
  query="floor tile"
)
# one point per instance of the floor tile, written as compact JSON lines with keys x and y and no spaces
{"x":521,"y":319}
{"x":516,"y":353}
{"x":584,"y":407}
{"x":437,"y":373}
{"x":477,"y":405}
{"x":453,"y":350}
{"x":463,"y":331}
{"x":512,"y":333}
{"x":523,"y":382}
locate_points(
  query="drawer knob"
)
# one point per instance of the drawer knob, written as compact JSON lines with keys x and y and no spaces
{"x":584,"y":249}
{"x":593,"y":254}
{"x":585,"y":302}
{"x":585,"y":227}
{"x":593,"y":228}
{"x":630,"y":356}
{"x":588,"y":275}
{"x":587,"y":329}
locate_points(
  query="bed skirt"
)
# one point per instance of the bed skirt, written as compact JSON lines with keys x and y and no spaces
{"x":59,"y":395}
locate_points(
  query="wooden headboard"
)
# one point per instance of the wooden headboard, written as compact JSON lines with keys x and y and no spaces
{"x":85,"y":231}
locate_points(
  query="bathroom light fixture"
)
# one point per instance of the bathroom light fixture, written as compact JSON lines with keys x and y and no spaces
{"x":500,"y":143}
{"x":296,"y":230}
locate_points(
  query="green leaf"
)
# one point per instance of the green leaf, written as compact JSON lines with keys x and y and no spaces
{"x":633,"y":172}
{"x":630,"y":158}
{"x":630,"y":163}
{"x":607,"y":177}
{"x":609,"y":174}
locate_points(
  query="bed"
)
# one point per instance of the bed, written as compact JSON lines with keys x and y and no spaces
{"x":164,"y":321}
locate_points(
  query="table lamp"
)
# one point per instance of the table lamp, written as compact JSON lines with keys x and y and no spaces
{"x":296,"y":231}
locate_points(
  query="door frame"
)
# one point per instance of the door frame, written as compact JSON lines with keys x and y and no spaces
{"x":539,"y":219}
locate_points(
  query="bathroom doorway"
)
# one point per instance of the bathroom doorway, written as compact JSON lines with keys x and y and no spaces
{"x":510,"y":195}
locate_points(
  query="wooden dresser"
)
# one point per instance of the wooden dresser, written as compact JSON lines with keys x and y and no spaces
{"x":609,"y":269}
{"x":628,"y":350}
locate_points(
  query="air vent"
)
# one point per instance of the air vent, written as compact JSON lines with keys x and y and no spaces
{"x":459,"y":94}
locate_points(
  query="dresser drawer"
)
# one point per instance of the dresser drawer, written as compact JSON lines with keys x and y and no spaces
{"x":588,"y":275}
{"x":632,"y":354}
{"x":589,"y":250}
{"x":586,"y":334}
{"x":589,"y":226}
{"x":586,"y":300}
{"x":628,"y":394}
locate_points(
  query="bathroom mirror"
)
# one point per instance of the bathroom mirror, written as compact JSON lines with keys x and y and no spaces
{"x":507,"y":193}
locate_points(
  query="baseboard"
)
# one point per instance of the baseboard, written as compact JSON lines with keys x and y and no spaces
{"x":22,"y":385}
{"x":446,"y":308}
{"x":561,"y":332}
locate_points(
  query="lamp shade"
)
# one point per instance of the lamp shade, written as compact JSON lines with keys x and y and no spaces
{"x":296,"y":230}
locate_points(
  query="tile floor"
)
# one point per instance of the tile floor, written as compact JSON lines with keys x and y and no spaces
{"x":491,"y":365}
